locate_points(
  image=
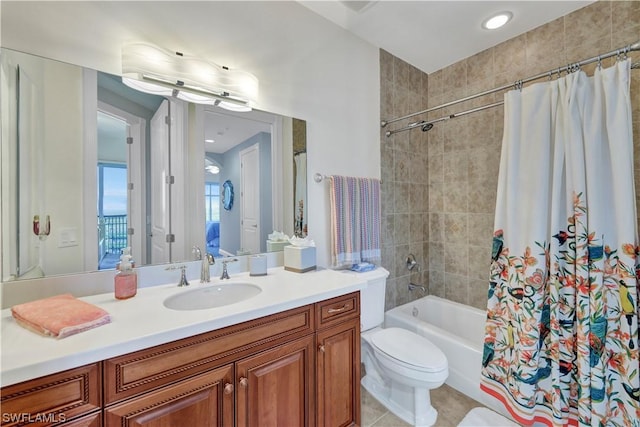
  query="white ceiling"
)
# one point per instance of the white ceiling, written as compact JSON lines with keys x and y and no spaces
{"x":433,"y":34}
{"x":228,"y":130}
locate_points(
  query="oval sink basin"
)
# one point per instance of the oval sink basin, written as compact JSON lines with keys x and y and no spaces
{"x":212,"y":296}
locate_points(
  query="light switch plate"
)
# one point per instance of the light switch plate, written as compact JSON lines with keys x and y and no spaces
{"x":67,"y":237}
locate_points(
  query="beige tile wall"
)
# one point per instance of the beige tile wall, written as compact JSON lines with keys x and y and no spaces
{"x":461,"y":157}
{"x":405,"y":192}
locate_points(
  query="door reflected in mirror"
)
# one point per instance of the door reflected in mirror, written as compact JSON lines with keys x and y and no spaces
{"x":242,"y":150}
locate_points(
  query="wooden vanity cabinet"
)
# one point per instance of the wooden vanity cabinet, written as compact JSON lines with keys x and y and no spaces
{"x":135,"y":373}
{"x":91,"y":420}
{"x":276,"y":387}
{"x":338,"y":361}
{"x":272,"y":388}
{"x":300,"y":367}
{"x":205,"y":400}
{"x":55,"y":399}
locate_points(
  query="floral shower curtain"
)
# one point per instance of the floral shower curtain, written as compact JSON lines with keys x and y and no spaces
{"x":561,"y":343}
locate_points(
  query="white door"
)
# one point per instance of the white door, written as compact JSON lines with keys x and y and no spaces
{"x":159,"y":153}
{"x":250,"y":199}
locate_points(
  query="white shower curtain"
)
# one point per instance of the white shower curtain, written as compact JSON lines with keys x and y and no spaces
{"x":561,"y":344}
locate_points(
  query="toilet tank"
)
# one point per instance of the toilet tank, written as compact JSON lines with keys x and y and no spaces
{"x":372,"y":298}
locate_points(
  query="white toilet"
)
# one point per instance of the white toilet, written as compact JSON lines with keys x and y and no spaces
{"x":401,"y":367}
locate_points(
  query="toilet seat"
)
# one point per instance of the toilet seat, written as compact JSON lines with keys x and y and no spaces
{"x":409,"y":350}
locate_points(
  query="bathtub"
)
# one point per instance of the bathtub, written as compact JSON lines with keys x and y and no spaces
{"x":458,"y":330}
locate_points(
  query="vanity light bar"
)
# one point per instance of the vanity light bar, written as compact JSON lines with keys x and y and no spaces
{"x":197,"y":96}
{"x":187,"y":77}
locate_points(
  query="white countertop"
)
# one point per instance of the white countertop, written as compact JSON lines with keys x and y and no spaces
{"x":143,"y":321}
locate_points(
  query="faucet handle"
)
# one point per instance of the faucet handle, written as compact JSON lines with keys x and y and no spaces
{"x":225,"y":273}
{"x":183,"y":274}
{"x":183,"y":277}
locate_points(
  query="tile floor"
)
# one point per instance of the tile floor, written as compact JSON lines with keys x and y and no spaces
{"x":451,"y":405}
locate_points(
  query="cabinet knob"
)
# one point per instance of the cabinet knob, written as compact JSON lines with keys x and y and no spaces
{"x":244,"y":382}
{"x":228,"y":388}
{"x":321,"y":348}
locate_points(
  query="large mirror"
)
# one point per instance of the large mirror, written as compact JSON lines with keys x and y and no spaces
{"x":90,"y":166}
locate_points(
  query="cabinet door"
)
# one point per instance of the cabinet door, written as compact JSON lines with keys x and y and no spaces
{"x":54,"y":398}
{"x":275,"y":387}
{"x":205,"y":400}
{"x":338,"y":375}
{"x":91,"y":420}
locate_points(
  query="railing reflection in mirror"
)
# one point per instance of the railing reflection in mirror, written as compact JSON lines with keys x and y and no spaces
{"x":112,"y":238}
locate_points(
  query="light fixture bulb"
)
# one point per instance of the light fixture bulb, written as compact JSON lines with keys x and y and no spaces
{"x":497,"y":20}
{"x":147,"y":87}
{"x":234,"y":107}
{"x":195,"y":98}
{"x":213,"y":169}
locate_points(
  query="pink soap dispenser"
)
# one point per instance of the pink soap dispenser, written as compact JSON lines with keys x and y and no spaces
{"x":126,"y":280}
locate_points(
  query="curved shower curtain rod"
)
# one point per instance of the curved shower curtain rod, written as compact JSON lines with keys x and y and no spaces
{"x":427,"y":125}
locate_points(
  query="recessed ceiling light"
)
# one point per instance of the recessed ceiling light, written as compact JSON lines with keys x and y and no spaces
{"x":209,"y":140}
{"x":213,"y":169}
{"x":497,"y":20}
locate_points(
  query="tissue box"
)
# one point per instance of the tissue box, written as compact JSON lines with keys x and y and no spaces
{"x":299,"y":259}
{"x":276,"y":246}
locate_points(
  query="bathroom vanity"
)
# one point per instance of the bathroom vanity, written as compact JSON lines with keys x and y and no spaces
{"x":288,"y":356}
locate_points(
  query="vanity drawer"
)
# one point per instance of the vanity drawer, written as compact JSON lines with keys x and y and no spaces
{"x":337,"y":309}
{"x":54,"y":398}
{"x":144,"y":370}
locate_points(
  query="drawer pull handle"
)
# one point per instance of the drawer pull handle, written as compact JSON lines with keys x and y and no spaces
{"x":228,"y":388}
{"x":243,"y":381}
{"x":337,"y":310}
{"x":321,"y":348}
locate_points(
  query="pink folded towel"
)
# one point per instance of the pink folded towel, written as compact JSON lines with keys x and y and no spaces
{"x":59,"y":316}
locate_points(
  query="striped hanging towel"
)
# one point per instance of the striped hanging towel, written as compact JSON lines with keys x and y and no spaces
{"x":355,"y":220}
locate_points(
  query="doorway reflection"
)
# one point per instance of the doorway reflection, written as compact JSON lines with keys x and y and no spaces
{"x":212,"y":209}
{"x":112,"y":189}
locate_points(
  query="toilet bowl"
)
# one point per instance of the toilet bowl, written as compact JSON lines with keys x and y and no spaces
{"x":400,"y":366}
{"x":409,"y":358}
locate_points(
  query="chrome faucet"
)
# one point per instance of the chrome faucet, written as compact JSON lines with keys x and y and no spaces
{"x":225,"y":273}
{"x":197,"y":253}
{"x":207,"y":261}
